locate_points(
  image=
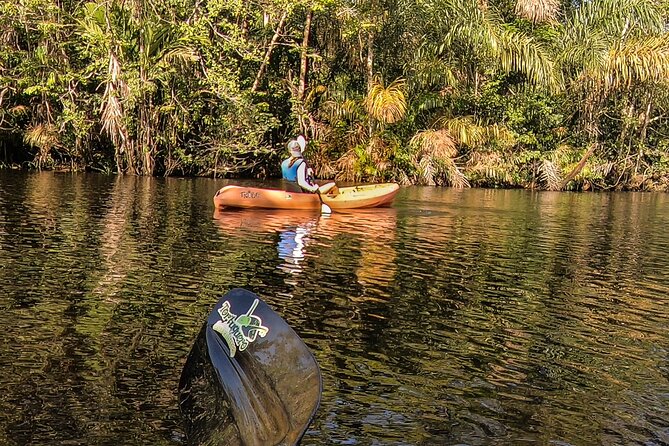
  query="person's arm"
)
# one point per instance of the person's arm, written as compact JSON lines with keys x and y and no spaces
{"x":302,"y":179}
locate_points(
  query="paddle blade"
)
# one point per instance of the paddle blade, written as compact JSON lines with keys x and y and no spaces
{"x":325,"y":209}
{"x":249,"y":379}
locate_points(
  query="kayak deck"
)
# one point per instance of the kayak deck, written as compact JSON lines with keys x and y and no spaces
{"x":354,"y":197}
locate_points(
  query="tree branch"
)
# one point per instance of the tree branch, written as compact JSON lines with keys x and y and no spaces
{"x":268,"y":53}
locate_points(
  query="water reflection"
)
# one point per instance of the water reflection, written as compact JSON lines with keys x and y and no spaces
{"x":294,"y":229}
{"x":374,"y":231}
{"x":456,"y":317}
{"x":291,"y":247}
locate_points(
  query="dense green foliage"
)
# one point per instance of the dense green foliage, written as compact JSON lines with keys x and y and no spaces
{"x":526,"y":93}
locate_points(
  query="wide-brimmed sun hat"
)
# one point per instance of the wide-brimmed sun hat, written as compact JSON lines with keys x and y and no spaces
{"x":302,"y":142}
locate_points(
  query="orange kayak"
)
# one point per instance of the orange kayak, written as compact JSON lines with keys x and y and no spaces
{"x":355,"y":197}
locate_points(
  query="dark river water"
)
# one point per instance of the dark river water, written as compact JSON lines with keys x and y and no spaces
{"x":468,"y":317}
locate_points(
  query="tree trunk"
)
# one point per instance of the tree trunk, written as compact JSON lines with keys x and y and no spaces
{"x":268,"y":53}
{"x":646,"y":120}
{"x":628,"y":114}
{"x":576,"y":170}
{"x":643,"y":133}
{"x":303,"y":57}
{"x":370,"y":73}
{"x":142,"y":137}
{"x":370,"y":60}
{"x":146,"y":149}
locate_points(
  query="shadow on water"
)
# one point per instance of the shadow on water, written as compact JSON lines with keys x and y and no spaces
{"x":477,"y":317}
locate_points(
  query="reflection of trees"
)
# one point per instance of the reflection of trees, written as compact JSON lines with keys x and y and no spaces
{"x":519,"y":300}
{"x":507,"y":309}
{"x":347,"y":270}
{"x":458,"y":315}
{"x":97,"y":316}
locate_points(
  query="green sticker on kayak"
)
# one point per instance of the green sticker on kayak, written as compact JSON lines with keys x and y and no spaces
{"x":239,"y":331}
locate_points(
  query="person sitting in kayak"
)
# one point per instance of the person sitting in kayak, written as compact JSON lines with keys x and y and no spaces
{"x":298,"y":175}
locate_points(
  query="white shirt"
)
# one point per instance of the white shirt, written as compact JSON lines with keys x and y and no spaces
{"x":303,"y":179}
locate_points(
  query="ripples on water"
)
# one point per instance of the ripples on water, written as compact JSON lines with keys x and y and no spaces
{"x":473,"y":317}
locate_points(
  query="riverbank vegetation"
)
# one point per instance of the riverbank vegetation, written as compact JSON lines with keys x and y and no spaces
{"x":550,"y":94}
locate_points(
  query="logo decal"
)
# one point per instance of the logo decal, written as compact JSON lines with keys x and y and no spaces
{"x":249,"y":194}
{"x":232,"y":327}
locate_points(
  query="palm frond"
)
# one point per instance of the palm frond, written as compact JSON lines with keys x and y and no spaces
{"x":538,"y":11}
{"x":42,"y":136}
{"x":112,"y":116}
{"x":642,"y":60}
{"x":182,"y":54}
{"x":112,"y":108}
{"x":346,"y":166}
{"x":436,"y":143}
{"x":500,"y":134}
{"x":427,"y":171}
{"x":490,"y":166}
{"x":549,"y":174}
{"x":583,"y":50}
{"x":430,"y":69}
{"x":608,"y":42}
{"x":368,"y":160}
{"x":336,"y":111}
{"x":617,"y":18}
{"x":520,"y":52}
{"x":434,"y":151}
{"x":386,"y":104}
{"x":340,"y":103}
{"x":485,"y":32}
{"x":455,"y":177}
{"x":430,"y":101}
{"x":464,"y":130}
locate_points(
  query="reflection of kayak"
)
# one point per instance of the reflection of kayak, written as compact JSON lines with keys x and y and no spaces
{"x":373,"y":233}
{"x":377,"y":222}
{"x":355,"y":197}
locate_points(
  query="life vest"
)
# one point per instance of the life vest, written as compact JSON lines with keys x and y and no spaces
{"x":288,"y":171}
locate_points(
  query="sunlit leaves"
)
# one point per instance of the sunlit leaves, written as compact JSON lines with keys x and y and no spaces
{"x":616,"y":18}
{"x":520,"y":52}
{"x":635,"y":61}
{"x":113,"y":113}
{"x":549,"y":174}
{"x":430,"y":70}
{"x":386,"y":104}
{"x":481,"y":87}
{"x":491,"y":167}
{"x":44,"y":137}
{"x":479,"y":38}
{"x":465,"y":130}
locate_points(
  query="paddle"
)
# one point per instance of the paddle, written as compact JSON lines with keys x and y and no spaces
{"x":249,"y":379}
{"x":325,"y":209}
